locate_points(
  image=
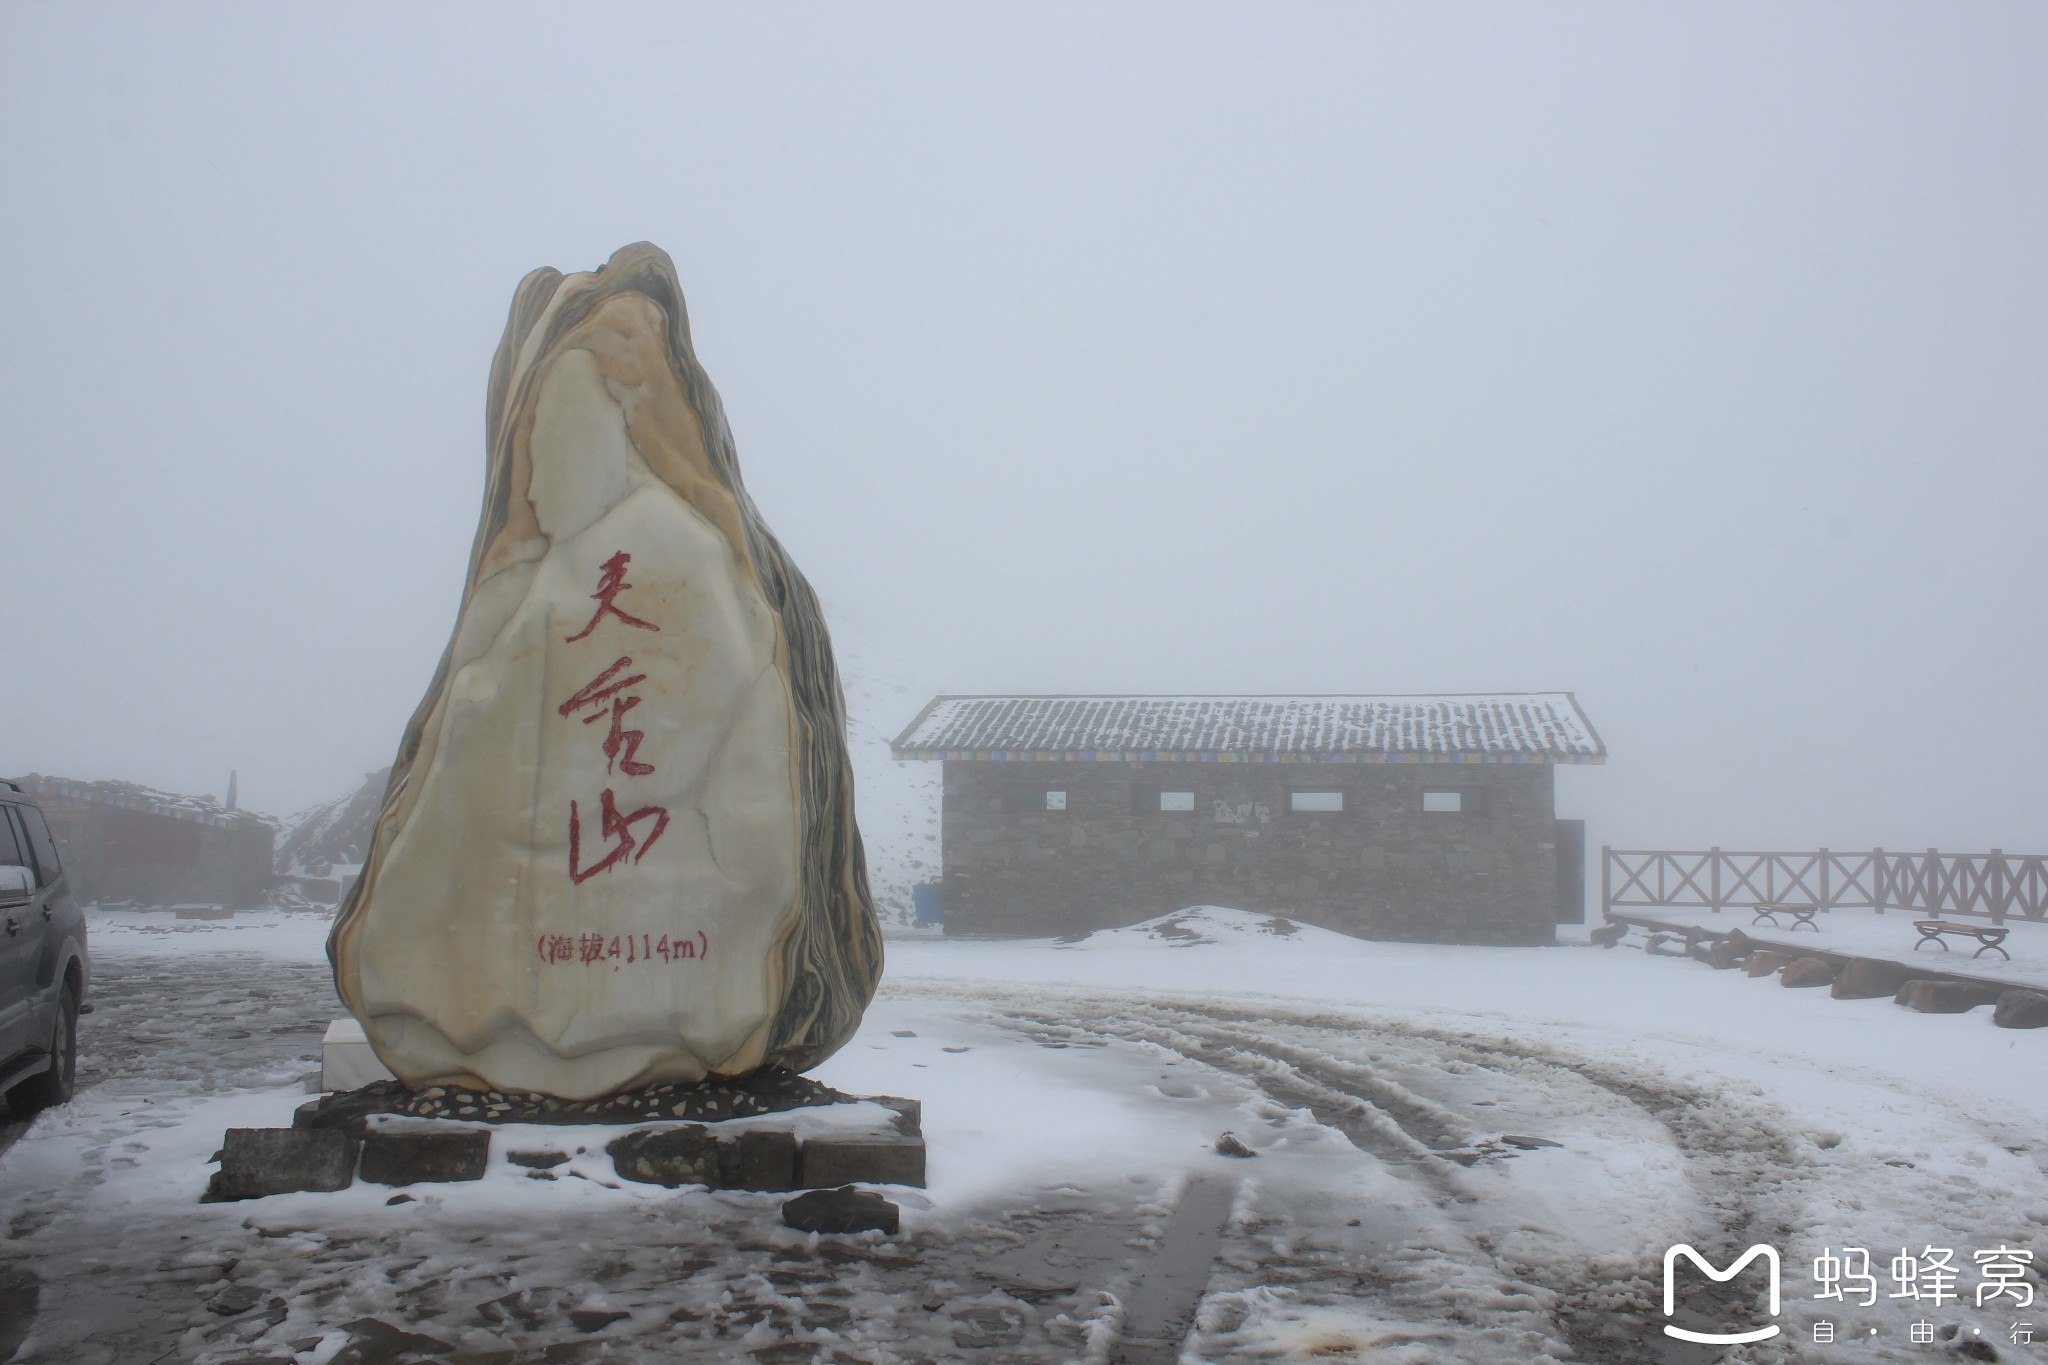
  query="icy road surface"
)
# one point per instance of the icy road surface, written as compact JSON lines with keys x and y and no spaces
{"x":1405,"y":1205}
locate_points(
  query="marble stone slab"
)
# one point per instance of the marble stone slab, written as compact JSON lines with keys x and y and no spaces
{"x":618,"y":847}
{"x":347,"y":1061}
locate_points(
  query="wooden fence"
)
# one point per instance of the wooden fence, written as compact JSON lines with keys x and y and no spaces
{"x":1994,"y":886}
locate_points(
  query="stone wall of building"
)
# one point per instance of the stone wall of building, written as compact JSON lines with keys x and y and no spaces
{"x":1383,"y":867}
{"x":128,"y":855}
{"x":122,"y":842}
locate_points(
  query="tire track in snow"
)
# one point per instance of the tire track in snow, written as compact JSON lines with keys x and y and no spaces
{"x":1738,"y":1158}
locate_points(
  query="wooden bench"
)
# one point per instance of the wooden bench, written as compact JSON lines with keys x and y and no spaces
{"x":1801,"y":914}
{"x":1988,"y":937}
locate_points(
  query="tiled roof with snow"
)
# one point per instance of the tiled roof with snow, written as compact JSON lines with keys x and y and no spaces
{"x":55,"y":792}
{"x":1501,"y":727}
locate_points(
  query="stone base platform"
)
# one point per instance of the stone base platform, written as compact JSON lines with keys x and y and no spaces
{"x":776,"y":1131}
{"x":347,"y":1061}
{"x":769,"y":1091}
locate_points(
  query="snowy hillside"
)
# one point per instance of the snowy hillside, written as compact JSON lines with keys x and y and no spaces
{"x":335,"y":833}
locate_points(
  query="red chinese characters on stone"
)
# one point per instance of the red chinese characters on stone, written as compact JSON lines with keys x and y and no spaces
{"x":606,"y":691}
{"x":614,"y":826}
{"x":621,"y":949}
{"x":608,"y":697}
{"x":611,"y":582}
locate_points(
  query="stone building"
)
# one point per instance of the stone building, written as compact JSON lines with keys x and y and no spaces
{"x":1422,"y":818}
{"x":124,"y":842}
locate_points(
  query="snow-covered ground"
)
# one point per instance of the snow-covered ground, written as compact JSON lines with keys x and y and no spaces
{"x":1402,"y":1207}
{"x":282,"y":935}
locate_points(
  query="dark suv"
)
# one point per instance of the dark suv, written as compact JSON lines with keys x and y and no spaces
{"x":43,"y":966}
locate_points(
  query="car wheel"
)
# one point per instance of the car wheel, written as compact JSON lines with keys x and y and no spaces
{"x":54,"y":1086}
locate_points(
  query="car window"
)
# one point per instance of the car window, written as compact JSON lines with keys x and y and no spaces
{"x":12,"y":851}
{"x":48,"y":869}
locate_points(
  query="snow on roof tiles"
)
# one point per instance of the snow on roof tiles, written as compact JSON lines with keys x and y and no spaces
{"x":1538,"y":727}
{"x":53,"y":792}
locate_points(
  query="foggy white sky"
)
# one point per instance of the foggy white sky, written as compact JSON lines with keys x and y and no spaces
{"x":1687,"y":357}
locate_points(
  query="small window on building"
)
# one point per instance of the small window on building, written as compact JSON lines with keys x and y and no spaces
{"x":1030,"y":800}
{"x":1455,"y":801}
{"x":1310,"y":801}
{"x":1151,"y":800}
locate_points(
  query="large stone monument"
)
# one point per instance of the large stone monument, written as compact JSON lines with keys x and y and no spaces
{"x":618,"y":847}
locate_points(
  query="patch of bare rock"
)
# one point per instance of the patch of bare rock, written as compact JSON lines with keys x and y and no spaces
{"x":1807,"y":972}
{"x":1944,"y":997}
{"x":1870,"y":978}
{"x":2021,"y":1009}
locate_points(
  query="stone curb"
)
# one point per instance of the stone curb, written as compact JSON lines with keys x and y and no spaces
{"x":331,"y":1144}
